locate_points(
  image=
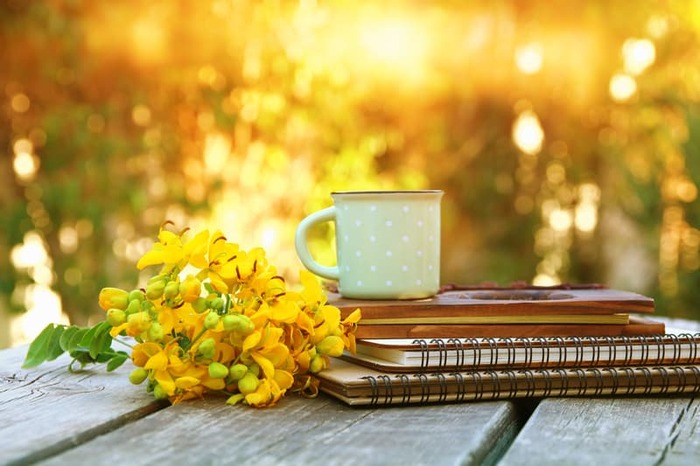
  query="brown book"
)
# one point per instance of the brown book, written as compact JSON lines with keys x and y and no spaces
{"x":505,"y":312}
{"x":636,"y":326}
{"x":501,"y":302}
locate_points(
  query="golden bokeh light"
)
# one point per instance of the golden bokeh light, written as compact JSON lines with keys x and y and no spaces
{"x":528,"y":134}
{"x":638,"y":55}
{"x":545,"y":127}
{"x":622,"y":87}
{"x":529,"y":58}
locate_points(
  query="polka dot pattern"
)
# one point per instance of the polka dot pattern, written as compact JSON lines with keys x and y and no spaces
{"x":388,"y":248}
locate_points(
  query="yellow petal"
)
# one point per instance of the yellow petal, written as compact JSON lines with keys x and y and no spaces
{"x":284,"y":311}
{"x":354,"y":317}
{"x":284,"y":379}
{"x":260,"y":397}
{"x":166,"y":382}
{"x":152,"y":257}
{"x":267,"y":367}
{"x":251,"y":341}
{"x":158,"y":361}
{"x":196,"y":249}
{"x":186,"y":382}
{"x":214,"y":384}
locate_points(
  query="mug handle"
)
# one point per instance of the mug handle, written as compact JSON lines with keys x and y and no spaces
{"x":302,"y":246}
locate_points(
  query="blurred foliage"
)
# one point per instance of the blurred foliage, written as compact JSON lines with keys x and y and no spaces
{"x":245,"y":115}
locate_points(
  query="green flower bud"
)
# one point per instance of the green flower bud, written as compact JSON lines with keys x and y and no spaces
{"x":217,"y":304}
{"x":147,"y":306}
{"x":211,"y":320}
{"x":200,"y":305}
{"x":237,"y":371}
{"x":217,"y":370}
{"x":133,"y":307}
{"x":171,"y":290}
{"x":331,"y":345}
{"x":207,"y":348}
{"x":136,"y":295}
{"x":155,"y":290}
{"x":116,"y":317}
{"x":239,"y":323}
{"x":155,"y":333}
{"x":159,"y":393}
{"x":317,"y":364}
{"x":248,"y":384}
{"x":157,"y":278}
{"x":254,"y":368}
{"x":138,"y":375}
{"x":230,"y":322}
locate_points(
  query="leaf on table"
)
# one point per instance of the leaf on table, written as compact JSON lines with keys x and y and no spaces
{"x":38,"y":349}
{"x":53,"y":347}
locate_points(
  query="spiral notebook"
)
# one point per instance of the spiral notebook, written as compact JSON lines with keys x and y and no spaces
{"x":360,"y":386}
{"x":438,"y":354}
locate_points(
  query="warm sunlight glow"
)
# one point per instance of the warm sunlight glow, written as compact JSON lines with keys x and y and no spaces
{"x":25,"y":163}
{"x":395,"y":43}
{"x":528,"y":134}
{"x":586,"y":213}
{"x":148,"y":39}
{"x":217,"y":148}
{"x":529,"y":57}
{"x":638,"y":55}
{"x":622,"y":87}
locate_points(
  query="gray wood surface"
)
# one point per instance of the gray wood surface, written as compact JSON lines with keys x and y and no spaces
{"x":620,"y":431}
{"x":302,"y":431}
{"x":46,"y":410}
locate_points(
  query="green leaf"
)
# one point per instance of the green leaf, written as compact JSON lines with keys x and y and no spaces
{"x":76,"y":338}
{"x":86,"y":341}
{"x":53,"y":347}
{"x":117,"y":361}
{"x":37,"y":352}
{"x":101,"y":340}
{"x":66,"y":337}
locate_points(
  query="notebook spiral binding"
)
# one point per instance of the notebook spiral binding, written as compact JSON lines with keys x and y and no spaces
{"x":546,"y":351}
{"x":530,"y":383}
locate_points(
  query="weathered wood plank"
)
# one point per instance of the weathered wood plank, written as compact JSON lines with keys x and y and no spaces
{"x":311,"y":432}
{"x":620,"y":431}
{"x":46,"y":410}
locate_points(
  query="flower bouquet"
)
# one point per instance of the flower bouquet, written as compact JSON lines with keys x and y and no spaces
{"x":216,"y":318}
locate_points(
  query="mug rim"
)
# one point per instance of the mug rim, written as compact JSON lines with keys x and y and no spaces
{"x":410,"y":191}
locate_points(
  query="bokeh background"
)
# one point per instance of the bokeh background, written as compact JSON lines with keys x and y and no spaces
{"x":565,"y":133}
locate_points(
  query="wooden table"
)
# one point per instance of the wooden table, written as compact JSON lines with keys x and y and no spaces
{"x":50,"y":416}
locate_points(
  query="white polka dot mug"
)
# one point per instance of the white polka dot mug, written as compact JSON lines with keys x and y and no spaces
{"x":387,"y":243}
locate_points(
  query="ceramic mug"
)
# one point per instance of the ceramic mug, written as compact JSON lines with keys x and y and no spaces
{"x":387,"y":243}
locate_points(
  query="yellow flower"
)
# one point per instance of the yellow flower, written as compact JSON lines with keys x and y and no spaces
{"x":113,"y":298}
{"x":190,"y":288}
{"x":187,"y":343}
{"x":170,"y":251}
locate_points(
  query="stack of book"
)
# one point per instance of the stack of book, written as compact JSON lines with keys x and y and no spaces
{"x":510,"y":343}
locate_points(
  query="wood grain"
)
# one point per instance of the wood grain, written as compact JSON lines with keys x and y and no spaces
{"x":47,"y":410}
{"x":636,"y":326}
{"x":501,"y":302}
{"x":620,"y":431}
{"x":317,"y":431}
